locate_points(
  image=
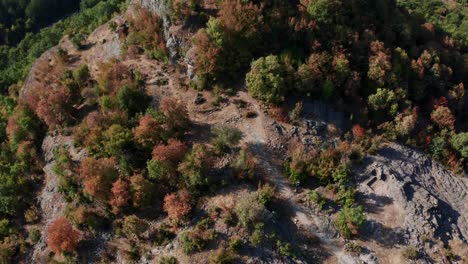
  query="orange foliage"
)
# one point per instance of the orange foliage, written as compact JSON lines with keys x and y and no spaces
{"x":358,"y":131}
{"x":206,"y":53}
{"x":173,"y":152}
{"x":176,"y":114}
{"x":238,"y":17}
{"x":98,"y":176}
{"x":120,"y":194}
{"x":52,"y":105}
{"x":148,"y":132}
{"x":177,"y":205}
{"x":62,"y":237}
{"x":443,"y":117}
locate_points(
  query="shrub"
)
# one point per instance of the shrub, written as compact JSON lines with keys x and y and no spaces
{"x":245,"y":165}
{"x":192,"y":241}
{"x":34,"y":235}
{"x":223,"y":256}
{"x":32,"y":214}
{"x":267,"y":80}
{"x":285,"y":249}
{"x":410,"y":253}
{"x":62,"y":237}
{"x":318,"y":199}
{"x":348,"y":220}
{"x":250,"y":210}
{"x":460,"y":143}
{"x":258,"y":235}
{"x":134,"y":226}
{"x":168,"y":260}
{"x":226,"y":137}
{"x":177,"y":205}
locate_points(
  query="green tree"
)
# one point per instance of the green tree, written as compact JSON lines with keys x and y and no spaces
{"x":267,"y":79}
{"x":460,"y":143}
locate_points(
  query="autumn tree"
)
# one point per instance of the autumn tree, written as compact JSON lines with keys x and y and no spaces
{"x":358,"y":131}
{"x":52,"y":104}
{"x":443,"y":117}
{"x":172,"y":152}
{"x":149,"y":131}
{"x":176,"y":115}
{"x":177,"y":205}
{"x":165,"y":159}
{"x":98,"y":176}
{"x":120,"y":194}
{"x":380,"y":65}
{"x":62,"y":237}
{"x":460,"y":143}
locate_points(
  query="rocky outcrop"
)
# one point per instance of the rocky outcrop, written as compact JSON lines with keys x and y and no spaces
{"x":411,"y":199}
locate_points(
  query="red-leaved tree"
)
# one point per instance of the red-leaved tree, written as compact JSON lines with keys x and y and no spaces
{"x":120,"y":195}
{"x":177,"y":205}
{"x":171,"y":153}
{"x":62,"y":237}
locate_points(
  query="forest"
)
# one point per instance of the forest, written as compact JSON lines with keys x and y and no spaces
{"x":397,"y":69}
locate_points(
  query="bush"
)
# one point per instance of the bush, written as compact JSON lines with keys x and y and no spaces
{"x":168,"y":260}
{"x":267,"y":80}
{"x":226,"y":137}
{"x":191,"y":242}
{"x":349,"y":219}
{"x":34,"y":235}
{"x":223,"y":256}
{"x":258,"y":235}
{"x":318,"y":199}
{"x":410,"y":253}
{"x":134,"y":226}
{"x":245,"y":165}
{"x":250,"y":210}
{"x":235,"y":244}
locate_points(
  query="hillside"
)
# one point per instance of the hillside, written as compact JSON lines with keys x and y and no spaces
{"x":242,"y":132}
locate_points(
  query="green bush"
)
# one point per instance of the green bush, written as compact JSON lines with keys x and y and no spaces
{"x":223,"y":256}
{"x":134,"y":226}
{"x":460,"y":143}
{"x":168,"y":260}
{"x":318,"y":199}
{"x":349,"y":220}
{"x":258,"y":235}
{"x":410,"y":253}
{"x":250,"y":210}
{"x":191,"y":242}
{"x":226,"y":137}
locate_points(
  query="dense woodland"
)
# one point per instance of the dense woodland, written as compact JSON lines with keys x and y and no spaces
{"x":397,"y":68}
